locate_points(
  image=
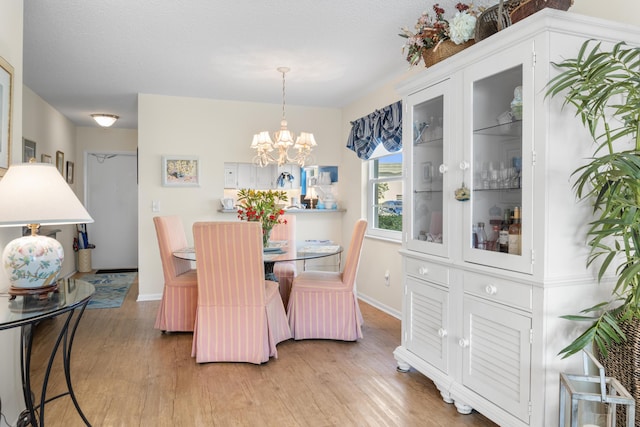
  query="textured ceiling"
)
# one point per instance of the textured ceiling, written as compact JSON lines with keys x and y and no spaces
{"x":84,"y":57}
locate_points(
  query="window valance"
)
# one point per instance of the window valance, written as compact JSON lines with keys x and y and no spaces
{"x":383,"y":126}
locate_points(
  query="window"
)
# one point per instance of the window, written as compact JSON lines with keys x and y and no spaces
{"x":384,"y":195}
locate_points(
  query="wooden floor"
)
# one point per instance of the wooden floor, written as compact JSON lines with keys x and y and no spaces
{"x":125,"y":373}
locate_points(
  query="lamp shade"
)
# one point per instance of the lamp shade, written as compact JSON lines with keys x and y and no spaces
{"x":34,"y":194}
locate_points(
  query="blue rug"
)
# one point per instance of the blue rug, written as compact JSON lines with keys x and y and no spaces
{"x":111,"y":289}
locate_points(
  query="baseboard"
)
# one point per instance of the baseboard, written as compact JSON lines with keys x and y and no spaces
{"x":149,"y":297}
{"x":377,"y":304}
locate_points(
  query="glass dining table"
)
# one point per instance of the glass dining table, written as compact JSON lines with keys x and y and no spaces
{"x":283,"y":250}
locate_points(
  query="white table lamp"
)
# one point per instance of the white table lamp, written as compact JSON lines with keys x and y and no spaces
{"x":32,"y":194}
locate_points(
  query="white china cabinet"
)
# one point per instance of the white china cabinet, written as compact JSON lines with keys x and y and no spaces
{"x":481,"y":142}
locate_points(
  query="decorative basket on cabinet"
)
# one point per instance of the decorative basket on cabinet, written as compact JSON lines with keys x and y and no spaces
{"x":508,"y":12}
{"x":442,"y":51}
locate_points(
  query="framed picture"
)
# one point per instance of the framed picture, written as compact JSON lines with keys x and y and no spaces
{"x":60,"y":162}
{"x":45,"y":158}
{"x":70,"y":172}
{"x":28,"y":150}
{"x":6,"y":101}
{"x":180,"y":171}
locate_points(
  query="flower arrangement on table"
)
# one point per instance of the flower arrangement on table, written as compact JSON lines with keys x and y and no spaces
{"x":262,"y":206}
{"x":430,"y":33}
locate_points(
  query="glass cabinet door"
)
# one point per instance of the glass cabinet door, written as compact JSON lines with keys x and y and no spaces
{"x":497,"y":217}
{"x":428,"y":120}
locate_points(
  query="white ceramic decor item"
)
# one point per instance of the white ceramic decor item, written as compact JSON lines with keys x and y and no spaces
{"x":33,"y":261}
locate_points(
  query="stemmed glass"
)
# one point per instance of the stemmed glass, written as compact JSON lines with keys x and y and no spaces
{"x":517,"y":166}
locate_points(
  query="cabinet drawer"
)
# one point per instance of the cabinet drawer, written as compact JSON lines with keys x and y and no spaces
{"x":499,"y":290}
{"x":427,"y":271}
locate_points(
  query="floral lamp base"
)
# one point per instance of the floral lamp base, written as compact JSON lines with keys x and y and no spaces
{"x":32,"y":264}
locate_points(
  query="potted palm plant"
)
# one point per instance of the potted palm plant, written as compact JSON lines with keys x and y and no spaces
{"x":604,"y":87}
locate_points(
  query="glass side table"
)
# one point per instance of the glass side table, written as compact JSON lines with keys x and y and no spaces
{"x":68,"y":301}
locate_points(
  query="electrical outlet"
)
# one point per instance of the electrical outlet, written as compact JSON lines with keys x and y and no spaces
{"x":386,"y":278}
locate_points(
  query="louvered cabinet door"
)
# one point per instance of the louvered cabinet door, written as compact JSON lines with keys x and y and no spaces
{"x":496,"y":352}
{"x":427,"y":335}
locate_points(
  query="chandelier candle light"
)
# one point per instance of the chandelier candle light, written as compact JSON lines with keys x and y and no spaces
{"x":284,"y":139}
{"x":33,"y":194}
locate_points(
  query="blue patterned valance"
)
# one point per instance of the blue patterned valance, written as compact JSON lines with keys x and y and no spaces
{"x":383,"y":126}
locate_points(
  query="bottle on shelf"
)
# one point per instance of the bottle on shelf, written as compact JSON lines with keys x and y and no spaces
{"x":515,"y":242}
{"x":493,"y":243}
{"x":503,"y":235}
{"x":481,"y":236}
{"x":474,"y":236}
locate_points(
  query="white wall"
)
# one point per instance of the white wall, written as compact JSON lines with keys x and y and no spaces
{"x":217,"y":132}
{"x":96,"y":140}
{"x":616,"y":10}
{"x":378,"y":255}
{"x":51,"y":131}
{"x":11,"y":51}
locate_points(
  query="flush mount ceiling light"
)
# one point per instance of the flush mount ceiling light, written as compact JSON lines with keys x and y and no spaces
{"x":105,"y":120}
{"x":284,"y":139}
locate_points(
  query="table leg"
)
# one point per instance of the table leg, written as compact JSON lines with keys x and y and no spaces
{"x":67,"y":362}
{"x":26,"y":343}
{"x":268,"y":271}
{"x":45,"y":383}
{"x":66,"y":339}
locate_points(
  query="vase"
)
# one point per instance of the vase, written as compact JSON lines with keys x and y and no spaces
{"x":266,"y":234}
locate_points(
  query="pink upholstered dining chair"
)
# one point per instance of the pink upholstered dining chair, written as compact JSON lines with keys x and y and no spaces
{"x":323,"y":304}
{"x":178,"y":306}
{"x":240,"y":316}
{"x":285,"y":271}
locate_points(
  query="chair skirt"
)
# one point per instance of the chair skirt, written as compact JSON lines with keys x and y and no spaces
{"x":242,"y":333}
{"x":285,"y":272}
{"x":323,"y":308}
{"x":177,"y":312}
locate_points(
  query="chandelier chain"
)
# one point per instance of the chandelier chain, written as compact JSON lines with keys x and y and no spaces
{"x":284,"y":139}
{"x":283,"y":93}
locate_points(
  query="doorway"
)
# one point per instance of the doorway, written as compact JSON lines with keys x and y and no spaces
{"x":111,"y":187}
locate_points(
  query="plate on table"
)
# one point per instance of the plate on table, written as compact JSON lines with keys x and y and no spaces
{"x":272,"y":250}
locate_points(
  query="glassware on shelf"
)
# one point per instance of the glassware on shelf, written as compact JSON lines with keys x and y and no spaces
{"x":492,"y":242}
{"x":517,"y":166}
{"x":481,"y":239}
{"x":516,"y":104}
{"x":418,"y":130}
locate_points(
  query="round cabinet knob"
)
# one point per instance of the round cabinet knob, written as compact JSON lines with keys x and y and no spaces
{"x":463,"y":342}
{"x":423,"y":271}
{"x":464,"y":165}
{"x":443,"y":168}
{"x":442,"y":332}
{"x":491,"y":289}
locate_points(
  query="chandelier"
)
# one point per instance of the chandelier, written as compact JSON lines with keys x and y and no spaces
{"x":284,"y":139}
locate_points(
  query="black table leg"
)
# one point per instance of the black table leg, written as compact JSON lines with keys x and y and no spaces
{"x":66,"y":339}
{"x":26,"y":338}
{"x":67,"y":363}
{"x":268,"y":271}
